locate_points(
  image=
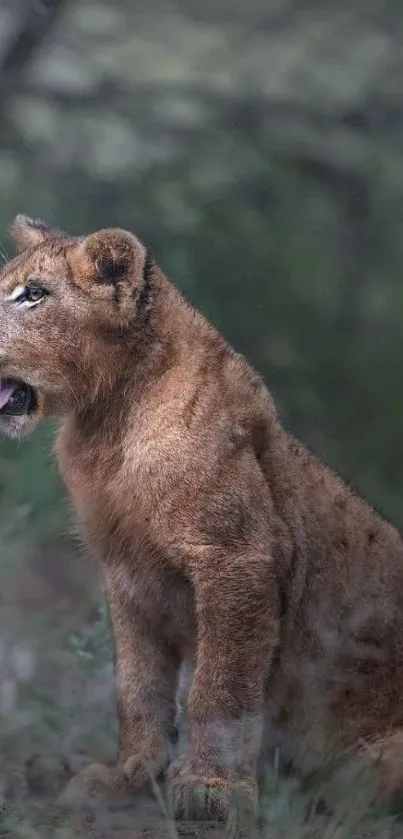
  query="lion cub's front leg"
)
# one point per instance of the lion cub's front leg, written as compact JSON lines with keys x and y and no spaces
{"x":146,"y":679}
{"x":237,"y":633}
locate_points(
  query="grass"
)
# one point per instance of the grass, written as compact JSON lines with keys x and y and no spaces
{"x":56,"y":699}
{"x":56,"y":689}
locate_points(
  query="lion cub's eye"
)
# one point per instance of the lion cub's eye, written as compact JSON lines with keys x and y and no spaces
{"x":34,"y":292}
{"x":29,"y":295}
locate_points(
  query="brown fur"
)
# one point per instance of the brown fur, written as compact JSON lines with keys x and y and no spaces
{"x":225,"y":547}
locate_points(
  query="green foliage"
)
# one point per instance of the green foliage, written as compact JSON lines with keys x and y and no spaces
{"x":30,"y":491}
{"x":264,"y":262}
{"x":276,"y":207}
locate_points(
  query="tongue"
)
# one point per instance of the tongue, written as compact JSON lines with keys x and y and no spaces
{"x":7,"y":389}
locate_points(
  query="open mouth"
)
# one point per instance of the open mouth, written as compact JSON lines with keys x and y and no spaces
{"x":16,"y":398}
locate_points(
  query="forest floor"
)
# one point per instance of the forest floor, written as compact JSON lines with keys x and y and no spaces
{"x":57,"y":712}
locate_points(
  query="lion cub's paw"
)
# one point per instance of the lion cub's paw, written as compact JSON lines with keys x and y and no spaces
{"x":211,"y":797}
{"x":98,"y":782}
{"x":94,"y":782}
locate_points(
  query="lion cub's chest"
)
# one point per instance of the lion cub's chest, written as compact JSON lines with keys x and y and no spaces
{"x":107,"y":502}
{"x":117,"y":520}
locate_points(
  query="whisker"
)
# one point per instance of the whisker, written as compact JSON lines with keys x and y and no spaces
{"x":3,"y":253}
{"x":69,"y":385}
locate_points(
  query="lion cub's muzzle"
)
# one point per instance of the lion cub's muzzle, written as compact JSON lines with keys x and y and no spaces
{"x":16,"y":398}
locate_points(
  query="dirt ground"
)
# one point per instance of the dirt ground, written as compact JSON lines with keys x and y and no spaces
{"x":57,"y":713}
{"x":57,"y":708}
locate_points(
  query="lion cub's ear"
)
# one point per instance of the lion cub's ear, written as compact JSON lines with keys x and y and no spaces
{"x":29,"y":232}
{"x":108,"y":257}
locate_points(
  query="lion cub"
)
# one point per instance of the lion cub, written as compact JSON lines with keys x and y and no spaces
{"x":225,"y":547}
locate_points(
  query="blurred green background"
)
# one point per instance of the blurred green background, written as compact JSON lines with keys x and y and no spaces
{"x":256,"y":148}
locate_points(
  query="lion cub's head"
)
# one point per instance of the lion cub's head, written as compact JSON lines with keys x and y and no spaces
{"x":66,"y":304}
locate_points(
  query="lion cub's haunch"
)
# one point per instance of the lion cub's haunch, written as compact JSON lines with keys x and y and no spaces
{"x":225,"y":547}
